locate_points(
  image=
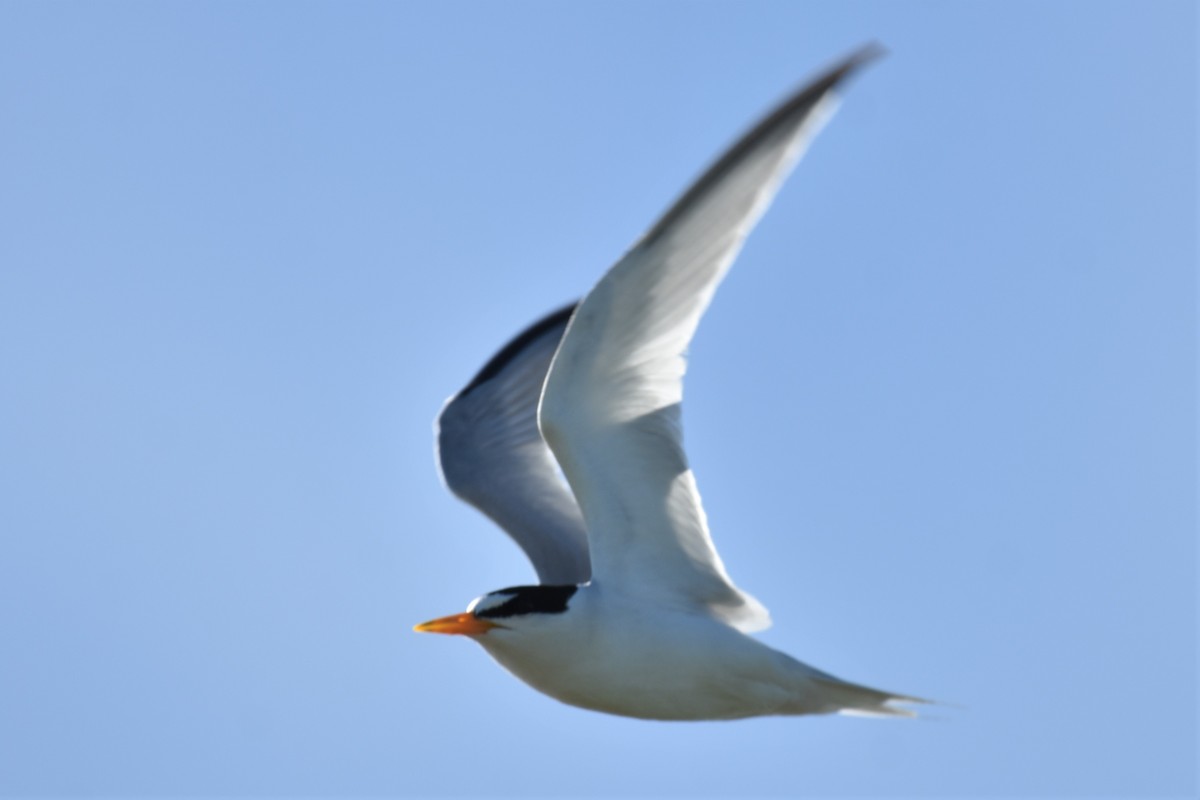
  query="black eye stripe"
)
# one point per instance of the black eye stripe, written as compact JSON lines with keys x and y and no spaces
{"x":530,"y":600}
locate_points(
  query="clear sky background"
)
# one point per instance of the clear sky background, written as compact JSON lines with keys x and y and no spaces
{"x":943,"y":411}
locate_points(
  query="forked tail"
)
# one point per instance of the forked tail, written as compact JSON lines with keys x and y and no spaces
{"x":838,"y":696}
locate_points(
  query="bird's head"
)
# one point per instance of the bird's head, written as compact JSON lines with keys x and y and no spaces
{"x":516,"y":608}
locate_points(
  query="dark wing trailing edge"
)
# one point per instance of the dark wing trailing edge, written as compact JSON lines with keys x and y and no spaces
{"x":492,"y":455}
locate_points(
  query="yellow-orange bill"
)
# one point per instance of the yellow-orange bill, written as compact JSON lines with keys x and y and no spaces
{"x":465,"y":624}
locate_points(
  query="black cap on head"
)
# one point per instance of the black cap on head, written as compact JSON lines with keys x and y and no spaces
{"x":518,"y":600}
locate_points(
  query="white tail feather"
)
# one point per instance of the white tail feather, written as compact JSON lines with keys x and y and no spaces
{"x":852,"y":699}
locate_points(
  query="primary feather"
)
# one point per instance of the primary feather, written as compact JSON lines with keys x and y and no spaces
{"x":610,"y":410}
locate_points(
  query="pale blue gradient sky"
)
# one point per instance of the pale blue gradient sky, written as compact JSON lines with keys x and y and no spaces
{"x":942,"y":412}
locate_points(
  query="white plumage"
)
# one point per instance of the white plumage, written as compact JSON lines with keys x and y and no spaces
{"x":636,"y":614}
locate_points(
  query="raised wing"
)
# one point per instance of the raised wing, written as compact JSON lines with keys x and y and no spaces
{"x":611,"y":407}
{"x":491,"y":455}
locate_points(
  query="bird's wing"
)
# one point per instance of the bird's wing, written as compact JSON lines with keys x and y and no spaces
{"x":611,"y":407}
{"x":491,"y":455}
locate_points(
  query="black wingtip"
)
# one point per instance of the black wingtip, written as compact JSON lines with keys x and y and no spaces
{"x":794,"y":108}
{"x":519,"y":343}
{"x":871,"y":51}
{"x":847,"y":65}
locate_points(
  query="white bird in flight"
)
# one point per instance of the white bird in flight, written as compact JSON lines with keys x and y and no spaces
{"x":635,"y":614}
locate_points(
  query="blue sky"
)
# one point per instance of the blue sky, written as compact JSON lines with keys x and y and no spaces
{"x":942,"y":412}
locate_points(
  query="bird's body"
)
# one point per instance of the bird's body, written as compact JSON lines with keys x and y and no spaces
{"x":613,"y":653}
{"x":636,"y":614}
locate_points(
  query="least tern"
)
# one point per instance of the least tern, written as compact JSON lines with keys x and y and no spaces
{"x":635,"y":614}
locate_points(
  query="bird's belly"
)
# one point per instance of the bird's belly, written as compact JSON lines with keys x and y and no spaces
{"x":675,"y":675}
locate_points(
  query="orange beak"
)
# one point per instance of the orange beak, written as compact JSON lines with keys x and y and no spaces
{"x":465,"y":624}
